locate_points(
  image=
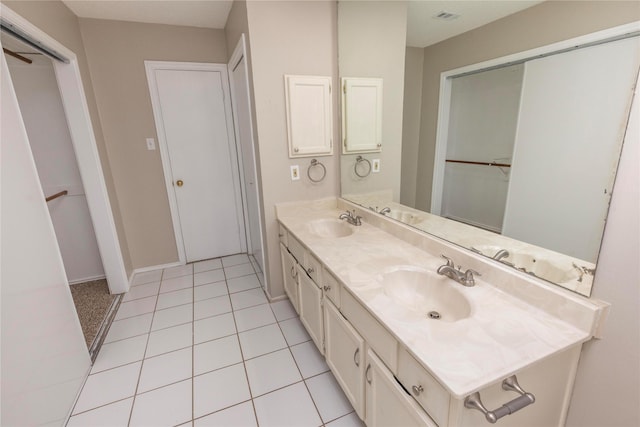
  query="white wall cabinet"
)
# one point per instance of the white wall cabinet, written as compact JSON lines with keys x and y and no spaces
{"x":310,"y":300}
{"x":309,"y":115}
{"x":345,"y":354}
{"x":361,"y":115}
{"x":399,"y":408}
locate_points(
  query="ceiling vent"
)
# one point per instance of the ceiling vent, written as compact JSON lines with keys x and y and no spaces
{"x":446,"y":16}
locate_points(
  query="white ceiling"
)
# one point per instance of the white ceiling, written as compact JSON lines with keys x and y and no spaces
{"x":203,"y":13}
{"x":422,"y":29}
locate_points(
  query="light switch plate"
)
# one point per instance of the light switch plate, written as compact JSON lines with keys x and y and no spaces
{"x":295,"y":172}
{"x":151,"y":144}
{"x":375,"y":165}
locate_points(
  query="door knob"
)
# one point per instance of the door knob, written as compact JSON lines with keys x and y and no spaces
{"x":179,"y":183}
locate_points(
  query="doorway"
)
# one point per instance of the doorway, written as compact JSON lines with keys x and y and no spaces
{"x":51,"y":145}
{"x":192,"y":111}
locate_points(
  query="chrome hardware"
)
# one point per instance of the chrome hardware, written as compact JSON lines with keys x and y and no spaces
{"x":356,"y":359}
{"x":510,"y":384}
{"x":314,"y":163}
{"x":450,"y":270}
{"x":296,"y":149}
{"x":280,"y":235}
{"x":293,"y":272}
{"x":179,"y":183}
{"x":351,"y":218}
{"x":502,"y":253}
{"x":366,"y":374}
{"x":327,"y":288}
{"x":378,"y":145}
{"x":417,"y":390}
{"x":385,"y":211}
{"x":310,"y":270}
{"x":359,"y":160}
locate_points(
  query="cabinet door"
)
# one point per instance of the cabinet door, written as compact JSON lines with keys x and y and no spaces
{"x":387,"y":403}
{"x":344,"y":352}
{"x":309,"y":115}
{"x":290,"y":276}
{"x":361,"y":115}
{"x":311,"y":308}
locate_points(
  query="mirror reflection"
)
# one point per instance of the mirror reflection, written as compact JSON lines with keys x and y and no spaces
{"x":514,"y":157}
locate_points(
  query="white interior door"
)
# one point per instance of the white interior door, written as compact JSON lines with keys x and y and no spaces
{"x":193,"y":118}
{"x":52,"y":148}
{"x":244,"y":134}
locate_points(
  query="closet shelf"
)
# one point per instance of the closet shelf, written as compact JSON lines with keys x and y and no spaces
{"x":468,"y":162}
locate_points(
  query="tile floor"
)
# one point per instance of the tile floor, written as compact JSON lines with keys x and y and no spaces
{"x":200,"y":345}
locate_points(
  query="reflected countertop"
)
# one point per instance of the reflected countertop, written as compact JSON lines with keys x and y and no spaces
{"x":504,"y":333}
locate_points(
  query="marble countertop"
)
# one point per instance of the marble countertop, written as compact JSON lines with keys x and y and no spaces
{"x":503,"y":334}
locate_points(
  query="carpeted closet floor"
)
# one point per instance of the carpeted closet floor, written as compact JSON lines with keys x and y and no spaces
{"x":92,"y":300}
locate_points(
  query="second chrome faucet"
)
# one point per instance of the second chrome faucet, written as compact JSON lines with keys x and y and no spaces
{"x":466,"y":278}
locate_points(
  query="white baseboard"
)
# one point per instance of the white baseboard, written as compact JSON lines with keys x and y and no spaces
{"x":152,"y":268}
{"x":87,"y":279}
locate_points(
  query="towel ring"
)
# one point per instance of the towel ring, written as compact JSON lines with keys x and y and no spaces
{"x":314,"y":163}
{"x":360,"y":159}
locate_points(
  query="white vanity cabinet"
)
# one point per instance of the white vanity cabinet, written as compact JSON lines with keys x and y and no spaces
{"x":345,"y":355}
{"x":290,"y":276}
{"x":310,"y":300}
{"x":387,"y":403}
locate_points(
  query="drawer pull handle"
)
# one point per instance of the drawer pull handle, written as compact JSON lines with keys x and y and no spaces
{"x":310,"y":270}
{"x":417,"y":390}
{"x":366,"y":374}
{"x":327,"y":288}
{"x":510,"y":384}
{"x":293,"y":272}
{"x":356,"y":359}
{"x":280,"y":234}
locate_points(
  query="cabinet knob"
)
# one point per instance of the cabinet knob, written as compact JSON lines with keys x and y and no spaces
{"x":179,"y":183}
{"x":296,"y":149}
{"x":293,"y":272}
{"x":310,"y":270}
{"x":379,"y":145}
{"x":366,"y":374}
{"x":356,"y":359}
{"x":417,"y":389}
{"x":327,"y":288}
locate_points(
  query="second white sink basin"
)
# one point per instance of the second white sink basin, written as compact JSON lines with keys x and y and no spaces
{"x":426,"y":293}
{"x":330,"y":228}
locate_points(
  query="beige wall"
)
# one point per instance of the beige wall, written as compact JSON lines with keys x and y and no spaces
{"x":414,"y":59}
{"x":55,"y":19}
{"x":116,"y":52}
{"x":549,"y":22}
{"x":288,"y":38}
{"x":371,"y":52}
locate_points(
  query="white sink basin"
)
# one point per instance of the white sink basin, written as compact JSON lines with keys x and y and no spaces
{"x":405,"y":216}
{"x":330,"y":228}
{"x":426,"y":293}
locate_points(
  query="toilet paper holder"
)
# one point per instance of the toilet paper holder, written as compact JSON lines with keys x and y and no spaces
{"x":510,"y":384}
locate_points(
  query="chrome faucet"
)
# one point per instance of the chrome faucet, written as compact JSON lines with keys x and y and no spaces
{"x":351,"y":218}
{"x":502,"y":253}
{"x":464,"y":278}
{"x":385,"y":211}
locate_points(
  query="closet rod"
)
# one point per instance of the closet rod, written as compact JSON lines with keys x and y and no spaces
{"x":500,"y":165}
{"x":55,"y":196}
{"x":16,"y":55}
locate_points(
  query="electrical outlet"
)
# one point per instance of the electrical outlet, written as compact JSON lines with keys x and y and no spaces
{"x":375,"y":165}
{"x":295,"y":172}
{"x":151,"y":144}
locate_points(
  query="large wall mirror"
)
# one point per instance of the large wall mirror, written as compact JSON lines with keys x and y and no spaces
{"x":504,"y":139}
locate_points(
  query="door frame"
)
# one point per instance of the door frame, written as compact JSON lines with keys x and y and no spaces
{"x":150,"y":68}
{"x":85,"y":146}
{"x":444,"y":104}
{"x":239,"y":53}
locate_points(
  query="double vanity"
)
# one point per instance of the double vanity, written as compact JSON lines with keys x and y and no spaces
{"x":418,"y":331}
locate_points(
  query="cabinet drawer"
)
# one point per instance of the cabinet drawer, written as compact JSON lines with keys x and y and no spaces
{"x":296,"y":248}
{"x":331,"y":287}
{"x":282,"y":234}
{"x":378,"y":338}
{"x":313,"y":268}
{"x":424,"y":388}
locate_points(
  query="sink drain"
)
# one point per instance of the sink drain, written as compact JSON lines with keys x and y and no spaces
{"x":433,"y":315}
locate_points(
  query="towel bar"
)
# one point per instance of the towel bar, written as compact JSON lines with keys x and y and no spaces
{"x":510,"y":384}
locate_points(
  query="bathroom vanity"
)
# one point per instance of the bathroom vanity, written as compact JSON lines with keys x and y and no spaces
{"x":410,"y":346}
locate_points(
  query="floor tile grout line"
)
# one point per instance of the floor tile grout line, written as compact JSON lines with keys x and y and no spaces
{"x":144,"y":355}
{"x":193,"y":347}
